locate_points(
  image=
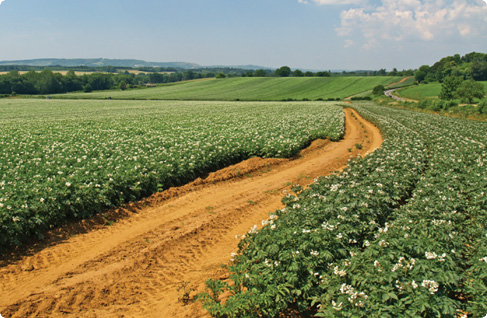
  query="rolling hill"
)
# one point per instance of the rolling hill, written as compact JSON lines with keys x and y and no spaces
{"x":248,"y":89}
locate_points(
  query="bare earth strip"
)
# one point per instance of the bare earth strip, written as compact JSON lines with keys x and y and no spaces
{"x":134,"y":267}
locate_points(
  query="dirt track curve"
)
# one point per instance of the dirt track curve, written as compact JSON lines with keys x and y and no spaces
{"x":135,"y":266}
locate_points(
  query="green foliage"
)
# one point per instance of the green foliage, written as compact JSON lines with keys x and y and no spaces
{"x":283,"y":71}
{"x":87,"y":88}
{"x":378,"y":90}
{"x":298,"y":73}
{"x":355,"y":98}
{"x":220,"y":75}
{"x":470,"y":89}
{"x":399,"y":233}
{"x":49,"y":82}
{"x":260,"y":73}
{"x":420,"y":74}
{"x":479,"y":70}
{"x":482,"y":106}
{"x":70,"y":159}
{"x":472,"y":65}
{"x":437,"y":105}
{"x":449,"y":87}
{"x":323,"y":74}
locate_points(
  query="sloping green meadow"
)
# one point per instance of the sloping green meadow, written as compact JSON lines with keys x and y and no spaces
{"x":62,"y":159}
{"x":425,"y":91}
{"x":421,"y":92}
{"x":249,"y":89}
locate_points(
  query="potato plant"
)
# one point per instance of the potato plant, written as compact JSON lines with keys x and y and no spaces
{"x":70,"y":159}
{"x":400,"y":233}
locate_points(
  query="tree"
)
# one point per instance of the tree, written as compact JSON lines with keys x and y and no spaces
{"x":260,"y":73}
{"x":283,"y":71}
{"x":470,"y":89}
{"x":48,"y":83}
{"x":220,"y":75}
{"x":323,"y":74}
{"x":156,"y":78}
{"x":378,"y":90}
{"x":5,"y":85}
{"x":122,"y":85}
{"x":421,"y":73}
{"x":188,"y":75}
{"x":449,"y":87}
{"x":309,"y":74}
{"x":479,"y":70}
{"x":71,"y":82}
{"x":482,"y":107}
{"x":87,"y":88}
{"x":393,"y":72}
{"x":98,"y":81}
{"x":298,"y":73}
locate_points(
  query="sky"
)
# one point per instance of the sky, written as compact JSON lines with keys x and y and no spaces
{"x":304,"y":34}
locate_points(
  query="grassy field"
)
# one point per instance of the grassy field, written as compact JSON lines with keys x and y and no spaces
{"x":429,"y":91}
{"x":249,"y":89}
{"x":421,"y":92}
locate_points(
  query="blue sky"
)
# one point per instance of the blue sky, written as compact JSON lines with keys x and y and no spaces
{"x":306,"y":34}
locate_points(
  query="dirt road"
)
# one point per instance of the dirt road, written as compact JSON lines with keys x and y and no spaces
{"x":136,"y":266}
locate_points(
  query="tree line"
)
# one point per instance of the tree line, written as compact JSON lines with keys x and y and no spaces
{"x":49,"y":82}
{"x":470,"y":66}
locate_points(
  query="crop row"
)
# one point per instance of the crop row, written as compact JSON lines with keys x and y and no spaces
{"x":250,"y":88}
{"x":399,"y":233}
{"x":71,"y":159}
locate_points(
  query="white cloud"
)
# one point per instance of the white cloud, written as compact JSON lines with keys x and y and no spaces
{"x":348,"y":43}
{"x":424,"y":20}
{"x":1,"y":1}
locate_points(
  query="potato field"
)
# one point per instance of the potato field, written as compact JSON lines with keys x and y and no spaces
{"x":70,"y":159}
{"x":400,"y":233}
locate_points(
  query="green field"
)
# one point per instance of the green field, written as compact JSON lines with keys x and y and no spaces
{"x":429,"y":91}
{"x":249,"y":89}
{"x":421,"y":92}
{"x":62,"y":159}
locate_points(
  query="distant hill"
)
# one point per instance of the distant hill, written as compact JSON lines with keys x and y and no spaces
{"x":120,"y":63}
{"x":100,"y":62}
{"x":243,"y":67}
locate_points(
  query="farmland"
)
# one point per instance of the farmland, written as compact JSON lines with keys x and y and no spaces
{"x":70,"y":159}
{"x":265,"y":89}
{"x":137,"y":265}
{"x":399,"y":233}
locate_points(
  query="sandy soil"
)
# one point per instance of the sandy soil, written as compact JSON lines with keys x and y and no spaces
{"x":401,"y":81}
{"x":134,"y":267}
